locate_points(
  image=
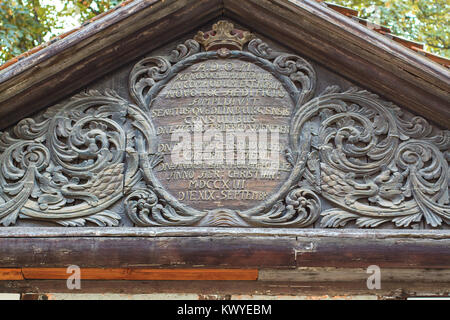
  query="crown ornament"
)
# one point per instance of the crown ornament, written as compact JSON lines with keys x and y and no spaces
{"x":223,"y":35}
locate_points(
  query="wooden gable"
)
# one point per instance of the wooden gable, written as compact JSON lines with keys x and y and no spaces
{"x":365,"y":150}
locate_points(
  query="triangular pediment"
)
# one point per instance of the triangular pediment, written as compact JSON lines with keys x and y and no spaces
{"x":344,"y":156}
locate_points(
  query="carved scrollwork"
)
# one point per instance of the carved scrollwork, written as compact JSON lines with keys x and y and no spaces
{"x":150,"y":70}
{"x":372,"y":162}
{"x":144,"y":76}
{"x":146,"y":210}
{"x":189,"y":48}
{"x":151,"y":74}
{"x":261,"y":49}
{"x":426,"y":179}
{"x":68,"y":168}
{"x":296,"y":68}
{"x":21,"y":163}
{"x":301,"y":208}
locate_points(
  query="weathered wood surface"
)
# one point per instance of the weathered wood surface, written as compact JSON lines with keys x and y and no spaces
{"x":313,"y":164}
{"x":140,"y":274}
{"x":29,"y":232}
{"x":306,"y":274}
{"x":11,"y":274}
{"x":310,"y":29}
{"x":98,"y":48}
{"x":237,"y":249}
{"x":301,"y":274}
{"x":352,"y":50}
{"x":343,"y":289}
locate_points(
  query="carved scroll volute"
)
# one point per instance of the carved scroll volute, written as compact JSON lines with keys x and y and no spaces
{"x":147,"y":72}
{"x":67,"y":168}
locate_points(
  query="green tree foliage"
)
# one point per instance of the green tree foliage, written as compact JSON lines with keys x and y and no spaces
{"x":425,"y":21}
{"x":23,"y":24}
{"x":27,"y":23}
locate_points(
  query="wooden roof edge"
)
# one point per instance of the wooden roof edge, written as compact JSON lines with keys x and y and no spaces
{"x":56,"y":71}
{"x":59,"y":43}
{"x":371,"y":25}
{"x":436,"y":58}
{"x":386,"y":31}
{"x":364,"y":56}
{"x":349,"y":12}
{"x":375,"y":38}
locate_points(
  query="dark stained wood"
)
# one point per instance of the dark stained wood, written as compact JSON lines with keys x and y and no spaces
{"x":103,"y":46}
{"x":140,"y":274}
{"x":375,"y":62}
{"x":302,"y":274}
{"x":162,"y":232}
{"x":236,"y":188}
{"x":335,"y":42}
{"x":344,"y":10}
{"x":312,"y":30}
{"x":241,"y":289}
{"x":313,"y":274}
{"x":223,"y":252}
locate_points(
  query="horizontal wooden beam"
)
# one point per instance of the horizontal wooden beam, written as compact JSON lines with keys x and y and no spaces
{"x":337,"y":282}
{"x":254,"y":289}
{"x":152,"y":232}
{"x":11,"y":274}
{"x":304,"y":274}
{"x":358,"y":275}
{"x":138,"y":274}
{"x":236,"y":249}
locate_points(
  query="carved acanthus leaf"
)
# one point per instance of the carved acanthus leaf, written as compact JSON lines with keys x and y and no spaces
{"x":301,"y":208}
{"x":376,"y":166}
{"x":67,"y":168}
{"x":145,"y":210}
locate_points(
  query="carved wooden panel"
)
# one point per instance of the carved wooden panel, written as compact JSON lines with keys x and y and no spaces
{"x":343,"y":157}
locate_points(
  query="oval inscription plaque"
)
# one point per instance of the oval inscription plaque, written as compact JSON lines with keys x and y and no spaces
{"x":222,"y":126}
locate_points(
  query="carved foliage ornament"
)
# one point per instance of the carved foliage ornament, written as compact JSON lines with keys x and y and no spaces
{"x":368,"y":161}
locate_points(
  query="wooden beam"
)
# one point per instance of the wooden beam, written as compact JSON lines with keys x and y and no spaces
{"x":11,"y":274}
{"x":353,"y":51}
{"x":72,"y":63}
{"x":306,"y":274}
{"x":142,"y":274}
{"x":389,"y":289}
{"x":233,"y":248}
